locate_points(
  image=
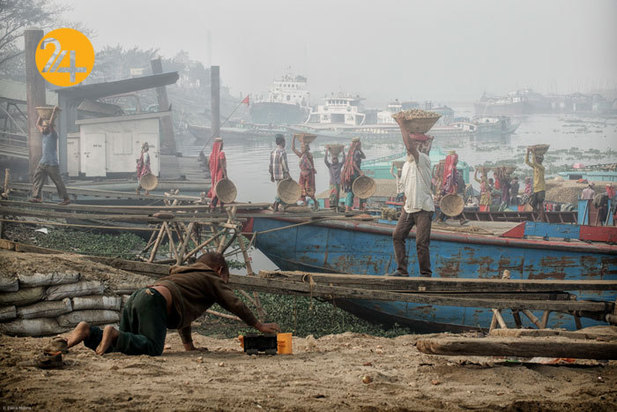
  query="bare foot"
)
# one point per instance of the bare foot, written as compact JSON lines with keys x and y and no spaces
{"x":81,"y":332}
{"x":110,"y":334}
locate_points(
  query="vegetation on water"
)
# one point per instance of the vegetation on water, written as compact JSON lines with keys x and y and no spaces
{"x":300,"y":315}
{"x":122,"y":245}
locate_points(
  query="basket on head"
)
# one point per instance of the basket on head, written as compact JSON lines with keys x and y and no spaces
{"x":335,"y":149}
{"x":510,"y":169}
{"x":226,"y":191}
{"x":417,"y":121}
{"x":288,"y":191}
{"x":539,"y":149}
{"x":45,"y":111}
{"x":149,"y":181}
{"x":452,"y":204}
{"x":398,"y":164}
{"x":306,"y":138}
{"x":363,"y":187}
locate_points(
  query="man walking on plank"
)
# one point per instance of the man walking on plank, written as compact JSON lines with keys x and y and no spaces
{"x":418,"y":208}
{"x":173,"y":302}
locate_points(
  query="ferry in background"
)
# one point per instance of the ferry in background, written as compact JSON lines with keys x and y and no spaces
{"x":287,"y":102}
{"x":337,"y":110}
{"x":520,"y":102}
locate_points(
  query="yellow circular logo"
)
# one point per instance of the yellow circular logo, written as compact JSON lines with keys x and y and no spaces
{"x":64,"y":57}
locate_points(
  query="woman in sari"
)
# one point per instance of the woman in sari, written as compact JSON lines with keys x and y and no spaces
{"x":351,"y":171}
{"x":143,"y":166}
{"x":218,"y":170}
{"x":307,"y":172}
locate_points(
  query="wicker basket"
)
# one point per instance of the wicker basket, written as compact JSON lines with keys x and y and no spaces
{"x":149,"y":181}
{"x":306,"y":138}
{"x":510,"y":169}
{"x":363,"y":187}
{"x":417,"y":121}
{"x":46,"y":111}
{"x":539,"y":149}
{"x":289,"y":191}
{"x":335,"y":149}
{"x":452,"y":204}
{"x":226,"y":191}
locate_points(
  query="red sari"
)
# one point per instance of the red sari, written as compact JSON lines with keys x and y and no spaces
{"x":216,"y":167}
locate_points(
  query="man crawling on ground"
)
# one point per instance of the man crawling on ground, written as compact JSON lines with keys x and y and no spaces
{"x":173,"y":302}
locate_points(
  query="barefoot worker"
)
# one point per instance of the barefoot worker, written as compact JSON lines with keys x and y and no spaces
{"x":48,"y":165}
{"x":307,"y":172}
{"x":218,"y":170}
{"x":418,"y":208}
{"x":279,"y":169}
{"x":173,"y":302}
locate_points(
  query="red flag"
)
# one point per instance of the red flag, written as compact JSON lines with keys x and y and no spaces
{"x":245,"y":100}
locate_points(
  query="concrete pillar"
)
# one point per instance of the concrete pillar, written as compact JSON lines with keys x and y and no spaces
{"x":168,"y":142}
{"x":215,"y":100}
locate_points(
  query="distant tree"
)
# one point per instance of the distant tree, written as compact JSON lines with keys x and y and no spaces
{"x":16,"y":16}
{"x":115,"y":63}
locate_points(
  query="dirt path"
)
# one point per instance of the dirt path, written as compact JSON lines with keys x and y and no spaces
{"x":322,"y":374}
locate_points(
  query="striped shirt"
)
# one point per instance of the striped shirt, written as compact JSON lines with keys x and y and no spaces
{"x":278,"y":164}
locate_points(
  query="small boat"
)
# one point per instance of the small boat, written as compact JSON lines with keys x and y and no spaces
{"x":365,"y":248}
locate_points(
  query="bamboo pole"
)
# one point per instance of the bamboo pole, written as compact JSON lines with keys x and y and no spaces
{"x":204,"y":244}
{"x":180,"y":258}
{"x":172,"y":246}
{"x":532,"y":318}
{"x":157,"y":242}
{"x":500,"y":320}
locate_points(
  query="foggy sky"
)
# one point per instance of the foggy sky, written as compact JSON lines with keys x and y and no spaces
{"x":383,"y":49}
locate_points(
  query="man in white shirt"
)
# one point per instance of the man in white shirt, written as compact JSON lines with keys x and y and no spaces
{"x":588,"y":192}
{"x":418,"y":208}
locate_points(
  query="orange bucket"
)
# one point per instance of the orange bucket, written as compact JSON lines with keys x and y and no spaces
{"x":283,"y":343}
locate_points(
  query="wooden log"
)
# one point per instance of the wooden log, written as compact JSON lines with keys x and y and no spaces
{"x":35,"y":96}
{"x":331,"y":292}
{"x":467,"y":285}
{"x":151,"y":269}
{"x":532,"y":318}
{"x":521,"y":347}
{"x":604,"y":334}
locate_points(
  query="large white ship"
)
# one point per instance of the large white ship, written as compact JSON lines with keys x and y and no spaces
{"x":287,"y":102}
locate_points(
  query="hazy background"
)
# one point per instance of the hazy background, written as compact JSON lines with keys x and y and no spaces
{"x":381,"y":50}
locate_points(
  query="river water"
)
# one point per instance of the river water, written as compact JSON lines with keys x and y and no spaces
{"x":595,"y":140}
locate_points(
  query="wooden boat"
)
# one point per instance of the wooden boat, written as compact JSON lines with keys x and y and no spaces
{"x":365,"y":247}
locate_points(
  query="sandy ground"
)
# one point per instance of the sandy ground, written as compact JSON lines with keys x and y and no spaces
{"x":336,"y":372}
{"x":322,"y":374}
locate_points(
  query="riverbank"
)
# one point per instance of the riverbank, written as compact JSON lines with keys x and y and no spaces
{"x":336,"y":372}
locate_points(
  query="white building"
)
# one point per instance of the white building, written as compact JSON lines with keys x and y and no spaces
{"x":109,"y":146}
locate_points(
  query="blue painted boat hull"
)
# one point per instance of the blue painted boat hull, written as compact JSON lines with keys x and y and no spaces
{"x":366,"y":248}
